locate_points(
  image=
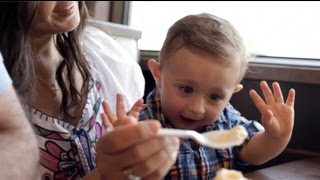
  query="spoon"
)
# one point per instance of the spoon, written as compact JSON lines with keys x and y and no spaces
{"x":214,"y":139}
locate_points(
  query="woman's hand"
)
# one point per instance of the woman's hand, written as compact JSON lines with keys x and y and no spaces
{"x":132,"y":145}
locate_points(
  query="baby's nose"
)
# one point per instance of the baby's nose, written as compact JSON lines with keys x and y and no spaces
{"x":197,"y":106}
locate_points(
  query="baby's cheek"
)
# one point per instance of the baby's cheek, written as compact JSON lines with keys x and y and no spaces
{"x":172,"y":105}
{"x":213,"y":114}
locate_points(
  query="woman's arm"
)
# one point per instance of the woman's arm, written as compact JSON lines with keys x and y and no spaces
{"x":19,"y":151}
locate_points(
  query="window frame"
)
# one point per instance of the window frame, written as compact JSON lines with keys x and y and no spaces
{"x":267,"y":68}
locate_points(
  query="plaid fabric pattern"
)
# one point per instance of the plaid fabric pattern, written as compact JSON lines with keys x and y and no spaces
{"x":195,"y":161}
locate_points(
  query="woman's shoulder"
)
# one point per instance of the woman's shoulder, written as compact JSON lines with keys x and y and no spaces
{"x":95,"y":34}
{"x":111,"y":65}
{"x":96,"y":38}
{"x":98,"y":43}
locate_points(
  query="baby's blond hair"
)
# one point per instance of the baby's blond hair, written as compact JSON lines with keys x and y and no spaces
{"x":206,"y":34}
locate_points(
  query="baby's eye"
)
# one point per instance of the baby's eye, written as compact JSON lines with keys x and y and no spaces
{"x":186,"y":89}
{"x":214,"y":97}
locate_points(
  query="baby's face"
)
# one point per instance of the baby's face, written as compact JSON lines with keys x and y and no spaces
{"x":195,"y":88}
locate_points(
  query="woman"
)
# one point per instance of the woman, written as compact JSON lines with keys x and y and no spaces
{"x":62,"y":75}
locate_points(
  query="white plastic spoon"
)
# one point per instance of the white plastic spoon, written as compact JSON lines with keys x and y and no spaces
{"x":214,"y":139}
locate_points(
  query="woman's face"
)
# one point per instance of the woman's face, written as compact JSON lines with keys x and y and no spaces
{"x":56,"y":17}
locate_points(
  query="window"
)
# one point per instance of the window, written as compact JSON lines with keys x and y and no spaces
{"x":277,"y":29}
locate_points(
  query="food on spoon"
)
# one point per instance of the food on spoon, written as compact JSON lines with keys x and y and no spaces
{"x":228,"y":174}
{"x":233,"y":137}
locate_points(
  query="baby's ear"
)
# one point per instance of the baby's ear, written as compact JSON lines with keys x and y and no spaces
{"x":238,"y":88}
{"x":154,"y":67}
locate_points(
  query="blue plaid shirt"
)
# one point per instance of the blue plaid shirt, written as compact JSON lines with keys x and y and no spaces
{"x":195,"y":161}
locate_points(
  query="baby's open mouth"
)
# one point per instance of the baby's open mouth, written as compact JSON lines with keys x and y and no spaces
{"x":187,"y":119}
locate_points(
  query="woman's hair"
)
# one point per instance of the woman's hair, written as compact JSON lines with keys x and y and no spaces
{"x":206,"y":34}
{"x":16,"y":22}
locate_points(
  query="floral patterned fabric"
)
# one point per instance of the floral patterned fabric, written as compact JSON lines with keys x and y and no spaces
{"x":67,"y":151}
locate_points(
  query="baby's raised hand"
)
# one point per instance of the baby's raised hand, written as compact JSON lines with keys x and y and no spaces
{"x":110,"y":120}
{"x":277,"y":115}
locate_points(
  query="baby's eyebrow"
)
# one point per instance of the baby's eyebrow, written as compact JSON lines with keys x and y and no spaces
{"x":219,"y":91}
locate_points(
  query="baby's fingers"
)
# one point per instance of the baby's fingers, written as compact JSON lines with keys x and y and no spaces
{"x":261,"y":105}
{"x":291,"y":98}
{"x":136,"y":108}
{"x":277,"y":92}
{"x":106,"y":122}
{"x":121,"y":113}
{"x":267,"y":93}
{"x":109,"y":115}
{"x":258,"y":101}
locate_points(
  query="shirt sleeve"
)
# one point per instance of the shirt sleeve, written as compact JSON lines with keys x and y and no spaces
{"x":117,"y":71}
{"x":234,"y":118}
{"x":5,"y":80}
